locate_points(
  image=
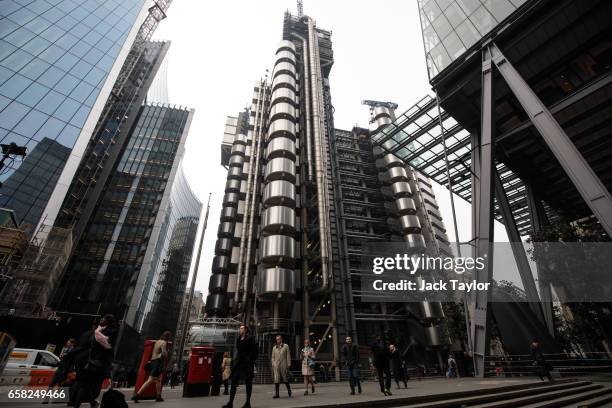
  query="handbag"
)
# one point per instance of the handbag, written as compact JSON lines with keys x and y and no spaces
{"x":311,"y":363}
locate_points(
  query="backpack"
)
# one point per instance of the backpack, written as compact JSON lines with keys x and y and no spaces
{"x":113,"y":399}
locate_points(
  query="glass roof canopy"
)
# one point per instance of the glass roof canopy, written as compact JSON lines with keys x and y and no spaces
{"x":415,"y":137}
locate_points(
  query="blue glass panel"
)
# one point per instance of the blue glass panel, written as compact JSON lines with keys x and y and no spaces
{"x":35,"y":68}
{"x":67,"y":109}
{"x":51,"y":129}
{"x":12,"y":114}
{"x":33,"y":94}
{"x":66,"y":84}
{"x":50,"y":102}
{"x":51,"y":76}
{"x":14,"y":86}
{"x":36,"y":46}
{"x":30,"y":124}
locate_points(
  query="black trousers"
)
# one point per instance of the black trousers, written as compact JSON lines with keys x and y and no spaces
{"x":384,"y":377}
{"x":277,"y":388}
{"x":248,"y":382}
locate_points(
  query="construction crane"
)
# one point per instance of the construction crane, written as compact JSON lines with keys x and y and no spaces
{"x":374,"y":104}
{"x":300,"y":8}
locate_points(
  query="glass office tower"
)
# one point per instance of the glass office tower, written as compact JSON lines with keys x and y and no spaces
{"x":58,"y":63}
{"x":126,"y":245}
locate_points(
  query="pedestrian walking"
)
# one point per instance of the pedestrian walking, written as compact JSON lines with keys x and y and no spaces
{"x":542,"y":368}
{"x":156,"y":367}
{"x":350,"y":353}
{"x":243,"y":366}
{"x":396,"y":363}
{"x":380,"y":355}
{"x":174,"y":375}
{"x":226,"y":371}
{"x":64,"y":367}
{"x":452,"y":367}
{"x":308,"y":365}
{"x":281,"y":363}
{"x":93,"y":361}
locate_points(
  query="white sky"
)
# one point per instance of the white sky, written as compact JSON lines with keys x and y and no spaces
{"x":220,"y":48}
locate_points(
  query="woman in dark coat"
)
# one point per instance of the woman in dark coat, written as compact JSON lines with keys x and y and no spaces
{"x":94,"y":360}
{"x":396,"y":364}
{"x":539,"y":362}
{"x":243,"y":366}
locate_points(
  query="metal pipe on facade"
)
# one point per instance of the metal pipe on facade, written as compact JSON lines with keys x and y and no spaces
{"x":259,"y":135}
{"x":306,"y":60}
{"x":243,"y":236}
{"x":320,"y":176}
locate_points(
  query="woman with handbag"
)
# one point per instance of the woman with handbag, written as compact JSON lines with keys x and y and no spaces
{"x":226,"y":370}
{"x":94,"y":360}
{"x":156,"y":366}
{"x":308,"y":365}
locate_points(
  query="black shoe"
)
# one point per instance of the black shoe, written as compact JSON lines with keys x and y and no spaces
{"x":359,"y":388}
{"x":159,"y":399}
{"x":228,"y":405}
{"x":247,"y":405}
{"x":306,"y":392}
{"x":135,"y":398}
{"x":289,"y":392}
{"x":388,"y":392}
{"x":276,"y":396}
{"x":352,"y":392}
{"x":312,"y":388}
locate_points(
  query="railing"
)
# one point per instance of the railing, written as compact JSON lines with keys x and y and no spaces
{"x":561,"y":363}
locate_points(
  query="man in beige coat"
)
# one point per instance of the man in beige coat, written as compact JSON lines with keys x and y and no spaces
{"x":281,"y":363}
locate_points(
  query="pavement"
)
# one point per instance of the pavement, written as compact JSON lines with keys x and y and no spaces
{"x":326,"y":394}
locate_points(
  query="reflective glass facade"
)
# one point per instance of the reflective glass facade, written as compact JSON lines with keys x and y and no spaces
{"x":55,"y":58}
{"x":168,"y":270}
{"x":451,"y":27}
{"x":113,"y":260}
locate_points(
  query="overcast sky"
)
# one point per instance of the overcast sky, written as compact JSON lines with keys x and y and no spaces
{"x":220,"y":48}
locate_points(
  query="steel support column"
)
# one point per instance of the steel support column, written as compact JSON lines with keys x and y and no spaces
{"x":537,"y":216}
{"x":590,"y":187}
{"x":483,"y":217}
{"x":520,"y":256}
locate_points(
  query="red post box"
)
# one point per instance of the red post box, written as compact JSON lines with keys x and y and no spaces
{"x":143,"y":375}
{"x":199,"y":372}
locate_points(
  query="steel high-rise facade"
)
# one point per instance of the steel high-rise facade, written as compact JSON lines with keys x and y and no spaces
{"x":301,"y":199}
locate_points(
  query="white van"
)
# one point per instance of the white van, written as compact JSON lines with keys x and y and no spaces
{"x":29,"y":367}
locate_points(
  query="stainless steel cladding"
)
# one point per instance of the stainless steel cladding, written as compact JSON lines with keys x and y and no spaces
{"x":231,"y":199}
{"x":410,"y":223}
{"x":238,"y":148}
{"x":285,"y":44}
{"x":228,"y":214}
{"x":226,"y":229}
{"x":378,"y":152}
{"x":216,"y":304}
{"x":283,"y":95}
{"x":218,"y":283}
{"x":240,"y":138}
{"x":284,"y":67}
{"x":401,"y":189}
{"x":220,"y":263}
{"x":279,"y":192}
{"x":234,"y":172}
{"x":397,"y":174}
{"x":434,"y":336}
{"x":236,"y":160}
{"x":278,"y":220}
{"x":280,"y":169}
{"x":281,"y":128}
{"x":405,"y":205}
{"x":223,"y":246}
{"x":278,"y":250}
{"x":284,"y":80}
{"x":430,"y":311}
{"x":391,"y":160}
{"x":232,"y":186}
{"x":381,"y":111}
{"x":274,"y":281}
{"x":415,"y":241}
{"x":280,"y":147}
{"x":283,"y":110}
{"x":285,"y":55}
